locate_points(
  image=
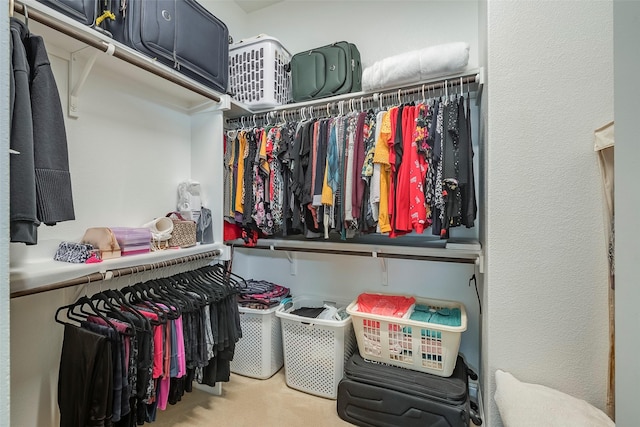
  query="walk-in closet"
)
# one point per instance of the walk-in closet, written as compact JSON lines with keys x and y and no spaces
{"x":538,"y":83}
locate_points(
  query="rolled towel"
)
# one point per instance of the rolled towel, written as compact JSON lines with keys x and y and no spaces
{"x":415,"y":66}
{"x":161,"y":228}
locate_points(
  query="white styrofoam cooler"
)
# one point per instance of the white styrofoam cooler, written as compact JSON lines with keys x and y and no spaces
{"x":257,"y":75}
{"x":315,"y":350}
{"x":258,"y":354}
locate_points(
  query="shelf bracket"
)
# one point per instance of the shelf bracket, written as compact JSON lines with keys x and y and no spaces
{"x":293,"y":265}
{"x":480,"y":263}
{"x":384,"y":275}
{"x":76,"y":86}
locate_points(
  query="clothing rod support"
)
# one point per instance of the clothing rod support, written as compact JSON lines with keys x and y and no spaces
{"x":118,"y":272}
{"x":146,"y":64}
{"x":77,"y":86}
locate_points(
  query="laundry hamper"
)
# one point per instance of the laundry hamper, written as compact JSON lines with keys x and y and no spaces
{"x":258,"y":354}
{"x":257,"y":75}
{"x":315,"y":350}
{"x":412,"y":344}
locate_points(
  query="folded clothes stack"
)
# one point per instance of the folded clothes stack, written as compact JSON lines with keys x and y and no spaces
{"x":261,"y":294}
{"x":133,"y":241}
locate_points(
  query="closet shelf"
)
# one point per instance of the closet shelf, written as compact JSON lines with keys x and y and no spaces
{"x":471,"y":79}
{"x":44,"y":274}
{"x":419,"y":249}
{"x":139,"y":73}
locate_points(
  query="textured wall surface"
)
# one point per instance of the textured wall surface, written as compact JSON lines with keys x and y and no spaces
{"x":627,"y":153}
{"x":550,"y":68}
{"x":4,"y":213}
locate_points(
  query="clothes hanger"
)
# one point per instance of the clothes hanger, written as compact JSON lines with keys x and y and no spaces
{"x":144,"y":301}
{"x":135,"y":298}
{"x":116,"y":296}
{"x":114,"y":312}
{"x":182,"y":283}
{"x":162,"y":302}
{"x":183,"y":301}
{"x":81,"y":303}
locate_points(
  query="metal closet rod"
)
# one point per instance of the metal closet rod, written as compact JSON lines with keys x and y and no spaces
{"x":425,"y":90}
{"x":365,"y":254}
{"x":110,"y":48}
{"x":118,"y":272}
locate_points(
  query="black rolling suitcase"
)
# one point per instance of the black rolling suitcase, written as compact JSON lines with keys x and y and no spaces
{"x":83,"y":11}
{"x":379,"y":395}
{"x":179,"y":33}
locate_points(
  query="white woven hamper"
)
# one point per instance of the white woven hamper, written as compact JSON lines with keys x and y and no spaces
{"x":258,"y":354}
{"x":315,"y":350}
{"x":257,"y":75}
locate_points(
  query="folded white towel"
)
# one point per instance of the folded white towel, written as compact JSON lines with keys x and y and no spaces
{"x":416,"y":66}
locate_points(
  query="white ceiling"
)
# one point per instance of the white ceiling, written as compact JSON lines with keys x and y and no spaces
{"x":252,"y":5}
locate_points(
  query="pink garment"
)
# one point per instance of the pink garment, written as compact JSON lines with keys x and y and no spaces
{"x":385,"y":305}
{"x":182,"y":359}
{"x":162,"y":394}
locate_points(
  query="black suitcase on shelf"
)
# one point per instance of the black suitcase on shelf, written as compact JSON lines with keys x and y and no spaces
{"x":378,"y":395}
{"x":83,"y":11}
{"x":179,"y":33}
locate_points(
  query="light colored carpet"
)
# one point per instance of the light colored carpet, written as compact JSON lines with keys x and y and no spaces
{"x":248,"y":402}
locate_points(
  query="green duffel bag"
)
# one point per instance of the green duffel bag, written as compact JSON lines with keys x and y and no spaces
{"x":326,"y":71}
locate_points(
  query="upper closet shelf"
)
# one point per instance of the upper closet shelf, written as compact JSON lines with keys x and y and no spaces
{"x":373,"y":246}
{"x":45,"y":274}
{"x":471,"y":81}
{"x":138,"y":73}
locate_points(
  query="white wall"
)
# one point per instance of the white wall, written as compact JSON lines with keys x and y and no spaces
{"x":550,"y":85}
{"x":4,"y":213}
{"x":379,"y":28}
{"x":627,"y":152}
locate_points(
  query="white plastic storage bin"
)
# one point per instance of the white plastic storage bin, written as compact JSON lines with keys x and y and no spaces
{"x":258,"y":354}
{"x":257,"y":75}
{"x":411,"y":344}
{"x":315,"y":350}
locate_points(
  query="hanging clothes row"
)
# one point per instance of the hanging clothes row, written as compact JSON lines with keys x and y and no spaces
{"x":127,"y":353}
{"x":393,"y":171}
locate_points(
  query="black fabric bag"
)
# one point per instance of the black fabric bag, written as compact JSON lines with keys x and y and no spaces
{"x":325,"y":71}
{"x":376,"y":395}
{"x":181,"y":34}
{"x":204,"y":226}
